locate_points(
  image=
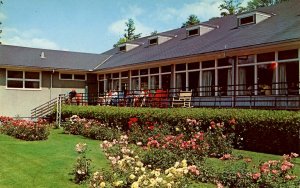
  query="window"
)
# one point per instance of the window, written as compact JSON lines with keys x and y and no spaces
{"x":79,"y":76}
{"x":266,"y":78}
{"x":166,"y":68}
{"x":192,"y":66}
{"x":246,"y":80}
{"x":23,"y":79}
{"x":247,"y":20}
{"x":154,"y":70}
{"x":247,"y":59}
{"x":122,"y":48}
{"x":153,"y":41}
{"x":135,"y":73}
{"x":101,"y":77}
{"x":66,"y":76}
{"x":265,"y":57}
{"x":224,"y":62}
{"x":288,"y":54}
{"x":124,"y":74}
{"x":143,"y":71}
{"x":181,"y":67}
{"x":69,"y":76}
{"x":115,"y":75}
{"x":208,"y":64}
{"x":193,"y":32}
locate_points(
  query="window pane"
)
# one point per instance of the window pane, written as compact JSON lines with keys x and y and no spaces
{"x":208,"y":64}
{"x":108,"y":76}
{"x":180,"y":67}
{"x":193,"y":32}
{"x":288,"y":54}
{"x":166,"y":68}
{"x":14,"y":74}
{"x":115,"y":75}
{"x":30,"y":84}
{"x":124,"y":74}
{"x":247,"y":20}
{"x":208,"y":83}
{"x":154,"y":82}
{"x":144,"y":83}
{"x":154,"y":70}
{"x":224,"y":62}
{"x":122,"y":48}
{"x":181,"y":81}
{"x":135,"y":73}
{"x":79,"y":76}
{"x":246,"y":80}
{"x":166,"y":84}
{"x":66,"y":76}
{"x":32,"y":75}
{"x":266,"y":57}
{"x":192,"y":66}
{"x":14,"y":84}
{"x":265,"y":78}
{"x":153,"y":41}
{"x":101,"y":77}
{"x":246,"y":59}
{"x":143,"y":71}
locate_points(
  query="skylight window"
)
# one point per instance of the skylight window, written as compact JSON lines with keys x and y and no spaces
{"x":252,"y":18}
{"x":194,"y":32}
{"x":153,"y":41}
{"x":247,"y":20}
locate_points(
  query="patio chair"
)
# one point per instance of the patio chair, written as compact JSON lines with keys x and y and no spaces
{"x":184,"y":99}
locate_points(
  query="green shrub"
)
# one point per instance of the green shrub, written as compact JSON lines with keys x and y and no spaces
{"x":258,"y":130}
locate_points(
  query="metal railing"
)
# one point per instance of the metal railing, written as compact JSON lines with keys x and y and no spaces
{"x":238,"y":96}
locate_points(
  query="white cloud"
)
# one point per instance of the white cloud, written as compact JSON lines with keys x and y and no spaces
{"x":203,"y":9}
{"x":132,"y":11}
{"x":29,"y":38}
{"x":2,"y":16}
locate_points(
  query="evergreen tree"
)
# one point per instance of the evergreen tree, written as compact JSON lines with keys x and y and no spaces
{"x":129,"y":33}
{"x":191,"y":20}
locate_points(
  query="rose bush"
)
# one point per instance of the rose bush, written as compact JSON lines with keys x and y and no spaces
{"x":25,"y":129}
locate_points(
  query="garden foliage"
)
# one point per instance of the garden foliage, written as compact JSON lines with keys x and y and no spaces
{"x":257,"y":130}
{"x":24,"y":129}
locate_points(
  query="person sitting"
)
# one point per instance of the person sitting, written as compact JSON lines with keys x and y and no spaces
{"x":72,"y":94}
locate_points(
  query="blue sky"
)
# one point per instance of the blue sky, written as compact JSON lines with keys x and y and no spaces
{"x":93,"y":26}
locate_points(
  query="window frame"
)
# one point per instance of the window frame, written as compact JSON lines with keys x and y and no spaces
{"x":73,"y":77}
{"x":23,"y":80}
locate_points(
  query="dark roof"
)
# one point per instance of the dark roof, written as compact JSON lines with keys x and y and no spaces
{"x":30,"y":57}
{"x":284,"y":25}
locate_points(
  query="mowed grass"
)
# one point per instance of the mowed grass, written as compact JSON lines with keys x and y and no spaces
{"x":44,"y":163}
{"x":48,"y":163}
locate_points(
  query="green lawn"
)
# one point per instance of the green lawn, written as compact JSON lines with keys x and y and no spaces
{"x":47,"y":163}
{"x":43,"y":163}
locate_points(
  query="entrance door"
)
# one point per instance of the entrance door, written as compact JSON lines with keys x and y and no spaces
{"x":92,"y":85}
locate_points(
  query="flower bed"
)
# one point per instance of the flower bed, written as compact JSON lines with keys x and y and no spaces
{"x":129,"y":169}
{"x":24,"y":129}
{"x":256,"y":130}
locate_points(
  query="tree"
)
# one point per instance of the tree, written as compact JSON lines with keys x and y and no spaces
{"x":191,"y":20}
{"x":121,"y":41}
{"x":153,"y":33}
{"x":230,"y":7}
{"x":254,"y":4}
{"x":129,"y":33}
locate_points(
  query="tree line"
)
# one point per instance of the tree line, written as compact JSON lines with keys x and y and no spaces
{"x":228,"y":7}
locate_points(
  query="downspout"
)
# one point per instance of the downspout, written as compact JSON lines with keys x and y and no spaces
{"x":51,"y":83}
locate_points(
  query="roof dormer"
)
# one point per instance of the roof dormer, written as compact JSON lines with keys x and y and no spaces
{"x":158,"y":39}
{"x":199,"y":29}
{"x":252,"y":18}
{"x":125,"y":47}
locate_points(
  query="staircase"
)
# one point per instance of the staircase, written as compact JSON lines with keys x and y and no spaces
{"x":48,"y":107}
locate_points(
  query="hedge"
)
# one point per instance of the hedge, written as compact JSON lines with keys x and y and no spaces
{"x":267,"y":131}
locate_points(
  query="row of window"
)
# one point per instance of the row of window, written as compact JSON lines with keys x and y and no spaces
{"x":32,"y":80}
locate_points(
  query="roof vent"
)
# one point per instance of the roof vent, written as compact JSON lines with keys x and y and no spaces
{"x":252,"y":18}
{"x":200,"y":29}
{"x":158,"y":39}
{"x":42,"y":56}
